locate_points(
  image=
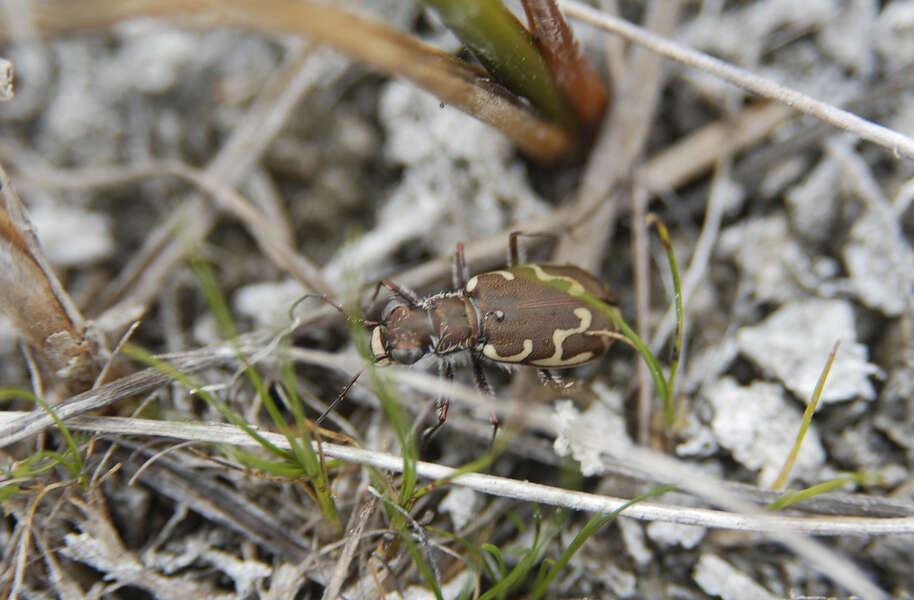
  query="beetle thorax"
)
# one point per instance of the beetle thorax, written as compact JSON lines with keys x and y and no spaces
{"x":441,"y":324}
{"x":454,"y":319}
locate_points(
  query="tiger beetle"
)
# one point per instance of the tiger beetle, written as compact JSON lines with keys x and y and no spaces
{"x":528,"y":314}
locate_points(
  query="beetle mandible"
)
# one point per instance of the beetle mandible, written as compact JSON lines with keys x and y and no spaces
{"x":527,"y":314}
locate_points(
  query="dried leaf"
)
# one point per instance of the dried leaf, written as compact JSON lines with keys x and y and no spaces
{"x":35,"y":302}
{"x":573,"y":73}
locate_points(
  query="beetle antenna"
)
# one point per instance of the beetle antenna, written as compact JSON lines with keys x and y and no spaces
{"x":340,"y":397}
{"x":339,"y":308}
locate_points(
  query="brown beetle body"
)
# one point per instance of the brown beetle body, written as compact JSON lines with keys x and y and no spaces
{"x":528,"y":314}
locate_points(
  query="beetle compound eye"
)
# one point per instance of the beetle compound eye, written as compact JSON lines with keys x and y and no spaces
{"x":394,"y":310}
{"x":377,"y":346}
{"x":388,"y":309}
{"x":406,"y":356}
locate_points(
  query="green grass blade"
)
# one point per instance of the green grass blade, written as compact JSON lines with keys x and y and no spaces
{"x":807,"y":419}
{"x":480,"y":464}
{"x":219,"y":307}
{"x":228,"y":414}
{"x":653,"y":365}
{"x":595,"y":524}
{"x":507,"y":50}
{"x":304,"y":453}
{"x":301,"y":457}
{"x":294,"y":403}
{"x":531,"y":556}
{"x":42,"y":461}
{"x":518,"y":522}
{"x":395,"y":413}
{"x":403,"y":528}
{"x":476,"y":557}
{"x":8,"y":491}
{"x":669,"y":409}
{"x":495,"y":552}
{"x":424,"y":569}
{"x":863,"y":477}
{"x":76,"y":465}
{"x":275,"y":468}
{"x":665,"y":384}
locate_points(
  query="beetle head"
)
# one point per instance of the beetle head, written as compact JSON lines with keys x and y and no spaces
{"x":402,"y":336}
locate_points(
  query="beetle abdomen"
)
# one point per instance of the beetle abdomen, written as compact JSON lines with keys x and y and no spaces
{"x":534,"y":315}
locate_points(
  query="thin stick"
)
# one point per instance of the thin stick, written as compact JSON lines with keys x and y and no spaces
{"x":899,"y":144}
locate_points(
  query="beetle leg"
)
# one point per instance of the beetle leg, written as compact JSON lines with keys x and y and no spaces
{"x":460,"y":269}
{"x":483,"y":384}
{"x":339,"y":397}
{"x":514,"y":257}
{"x":443,"y":402}
{"x":513,"y":252}
{"x":408,"y":297}
{"x":553,"y":379}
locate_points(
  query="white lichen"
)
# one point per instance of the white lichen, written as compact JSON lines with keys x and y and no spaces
{"x":794,"y":342}
{"x":758,"y":425}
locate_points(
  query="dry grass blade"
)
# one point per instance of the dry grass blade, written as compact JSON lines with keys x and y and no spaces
{"x":807,"y":419}
{"x":696,"y":153}
{"x":166,"y":245}
{"x":36,"y":303}
{"x":142,"y":382}
{"x":211,"y":497}
{"x":454,"y":82}
{"x":219,"y":128}
{"x":354,"y":536}
{"x":269,"y":236}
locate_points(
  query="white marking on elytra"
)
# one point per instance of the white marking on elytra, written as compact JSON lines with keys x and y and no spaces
{"x":474,"y":280}
{"x":558,"y":340}
{"x":491,"y":352}
{"x":574,"y":286}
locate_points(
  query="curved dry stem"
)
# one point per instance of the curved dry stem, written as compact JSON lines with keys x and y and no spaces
{"x":510,"y":488}
{"x":454,"y":82}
